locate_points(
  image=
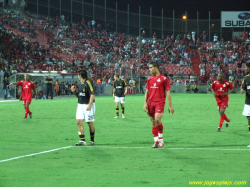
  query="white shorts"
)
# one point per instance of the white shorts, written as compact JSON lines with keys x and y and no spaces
{"x":82,"y":113}
{"x":119,"y":99}
{"x":246,"y":110}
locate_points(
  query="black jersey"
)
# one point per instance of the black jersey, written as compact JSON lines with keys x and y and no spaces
{"x":246,"y":86}
{"x":49,"y":84}
{"x":84,"y":92}
{"x":119,"y":87}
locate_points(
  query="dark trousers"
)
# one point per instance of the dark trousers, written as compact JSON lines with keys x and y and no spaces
{"x":49,"y":89}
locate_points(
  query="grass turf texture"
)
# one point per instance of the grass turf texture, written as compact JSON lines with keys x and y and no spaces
{"x":122,"y":155}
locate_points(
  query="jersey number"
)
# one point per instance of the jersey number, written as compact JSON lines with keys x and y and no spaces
{"x":90,"y":117}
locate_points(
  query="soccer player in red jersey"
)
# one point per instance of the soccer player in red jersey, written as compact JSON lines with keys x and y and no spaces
{"x":221,"y":89}
{"x":157,"y":88}
{"x":27,"y":87}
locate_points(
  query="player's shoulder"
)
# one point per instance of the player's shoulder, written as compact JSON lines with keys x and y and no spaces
{"x":216,"y":82}
{"x":151,"y":77}
{"x":246,"y":76}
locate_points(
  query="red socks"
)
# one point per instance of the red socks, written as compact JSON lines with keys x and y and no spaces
{"x":155,"y":131}
{"x":225,"y":117}
{"x":222,"y":118}
{"x":27,"y":111}
{"x":221,"y":121}
{"x":160,"y":127}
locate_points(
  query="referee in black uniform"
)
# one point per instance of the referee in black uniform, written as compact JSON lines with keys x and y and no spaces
{"x":49,"y":82}
{"x":245,"y":88}
{"x":86,"y":107}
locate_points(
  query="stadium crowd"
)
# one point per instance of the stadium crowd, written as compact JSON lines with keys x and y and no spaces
{"x":29,"y":44}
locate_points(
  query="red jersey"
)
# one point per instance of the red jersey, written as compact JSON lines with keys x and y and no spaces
{"x":27,"y":87}
{"x":156,"y":87}
{"x":220,"y":88}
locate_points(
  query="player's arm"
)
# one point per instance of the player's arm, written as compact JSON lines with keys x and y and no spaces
{"x":91,"y":101}
{"x":13,"y":83}
{"x":145,"y":107}
{"x":92,"y":95}
{"x":114,"y":90}
{"x":73,"y":90}
{"x":125,"y":88}
{"x":212,"y":88}
{"x":243,"y":87}
{"x":35,"y":91}
{"x":215,"y":94}
{"x":231,"y":90}
{"x":170,"y":106}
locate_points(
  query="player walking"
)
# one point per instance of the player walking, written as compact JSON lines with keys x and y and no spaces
{"x":86,"y":107}
{"x":157,"y":89}
{"x":220,"y":89}
{"x":245,"y":88}
{"x":27,"y":87}
{"x":119,"y":92}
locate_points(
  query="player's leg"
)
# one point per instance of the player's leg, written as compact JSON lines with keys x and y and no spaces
{"x":26,"y":113}
{"x":154,"y":132}
{"x":159,"y":125}
{"x":81,"y":132}
{"x":117,"y":101}
{"x":248,"y":119}
{"x":89,"y":118}
{"x":221,"y":111}
{"x":28,"y":108}
{"x":92,"y":133}
{"x":122,"y":106}
{"x":79,"y":120}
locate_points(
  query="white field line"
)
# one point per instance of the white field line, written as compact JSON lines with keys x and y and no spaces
{"x":110,"y":147}
{"x":33,"y":154}
{"x":4,"y":101}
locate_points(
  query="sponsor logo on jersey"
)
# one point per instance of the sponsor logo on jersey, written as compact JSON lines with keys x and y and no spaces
{"x":81,"y":94}
{"x":154,"y":86}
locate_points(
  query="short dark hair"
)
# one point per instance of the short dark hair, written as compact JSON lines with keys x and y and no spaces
{"x":83,"y":73}
{"x":248,"y":64}
{"x":154,"y":64}
{"x":117,"y":75}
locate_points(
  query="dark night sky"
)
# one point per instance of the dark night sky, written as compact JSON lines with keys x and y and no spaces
{"x":180,"y":6}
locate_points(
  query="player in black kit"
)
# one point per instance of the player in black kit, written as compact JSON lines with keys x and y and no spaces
{"x":86,"y":107}
{"x":119,"y":92}
{"x":245,"y":88}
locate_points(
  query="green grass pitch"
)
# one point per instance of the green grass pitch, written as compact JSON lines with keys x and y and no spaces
{"x":122,"y":156}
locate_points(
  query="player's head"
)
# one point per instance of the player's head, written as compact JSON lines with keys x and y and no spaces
{"x":26,"y":77}
{"x":153,"y":67}
{"x":82,"y":74}
{"x":48,"y":76}
{"x":116,"y":76}
{"x":247,"y":70}
{"x":221,"y":77}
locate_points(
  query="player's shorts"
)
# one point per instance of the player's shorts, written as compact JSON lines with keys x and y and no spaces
{"x":222,"y":105}
{"x":155,"y":107}
{"x":119,"y":99}
{"x":87,"y":115}
{"x":27,"y":99}
{"x":246,"y":110}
